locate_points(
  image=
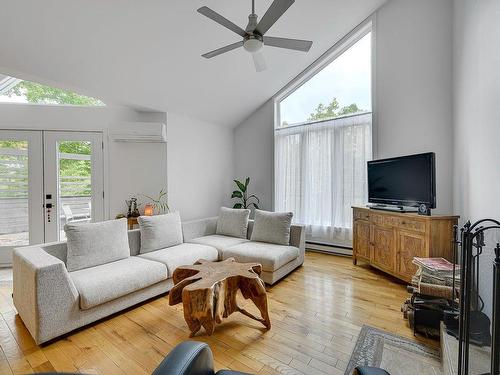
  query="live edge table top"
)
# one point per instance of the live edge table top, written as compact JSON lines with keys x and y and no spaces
{"x":208,"y":292}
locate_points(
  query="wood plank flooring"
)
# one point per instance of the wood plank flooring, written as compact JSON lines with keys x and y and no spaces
{"x":316,"y":315}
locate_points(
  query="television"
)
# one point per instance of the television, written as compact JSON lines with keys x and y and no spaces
{"x":405,"y":181}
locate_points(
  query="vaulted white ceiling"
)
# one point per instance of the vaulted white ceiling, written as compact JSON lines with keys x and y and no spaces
{"x":147,"y":53}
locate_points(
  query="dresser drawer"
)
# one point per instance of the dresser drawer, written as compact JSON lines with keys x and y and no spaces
{"x":384,"y":220}
{"x":377,"y":219}
{"x":412,"y":224}
{"x":361,"y":215}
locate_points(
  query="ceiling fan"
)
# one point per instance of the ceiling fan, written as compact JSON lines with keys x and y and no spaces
{"x":254,"y":34}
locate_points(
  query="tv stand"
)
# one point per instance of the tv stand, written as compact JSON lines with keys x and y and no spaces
{"x":390,"y":240}
{"x":384,"y":207}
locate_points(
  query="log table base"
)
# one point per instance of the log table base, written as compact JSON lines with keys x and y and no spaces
{"x":208,"y":292}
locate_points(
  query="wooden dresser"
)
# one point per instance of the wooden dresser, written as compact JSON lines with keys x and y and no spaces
{"x":389,"y":240}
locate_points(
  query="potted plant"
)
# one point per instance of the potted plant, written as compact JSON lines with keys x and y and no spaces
{"x":243,"y":200}
{"x":159,"y":203}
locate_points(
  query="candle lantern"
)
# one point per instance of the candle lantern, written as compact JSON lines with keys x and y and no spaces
{"x":148,"y":210}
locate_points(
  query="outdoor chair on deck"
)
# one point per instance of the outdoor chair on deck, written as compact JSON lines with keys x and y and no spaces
{"x":83,"y":216}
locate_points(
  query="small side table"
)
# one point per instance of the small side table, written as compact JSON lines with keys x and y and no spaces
{"x":131,"y":221}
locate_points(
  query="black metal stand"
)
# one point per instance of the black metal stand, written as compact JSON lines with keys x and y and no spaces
{"x":472,"y":239}
{"x":495,"y":342}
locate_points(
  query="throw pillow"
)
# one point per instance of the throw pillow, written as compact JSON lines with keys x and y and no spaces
{"x":233,"y":222}
{"x":272,"y":227}
{"x":93,"y":244}
{"x":160,"y":231}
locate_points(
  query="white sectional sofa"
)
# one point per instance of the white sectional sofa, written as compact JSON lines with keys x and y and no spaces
{"x":52,"y":301}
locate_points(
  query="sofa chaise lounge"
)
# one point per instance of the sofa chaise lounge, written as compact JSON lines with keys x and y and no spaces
{"x":52,"y":300}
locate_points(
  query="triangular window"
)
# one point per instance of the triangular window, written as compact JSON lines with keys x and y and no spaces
{"x":14,"y":90}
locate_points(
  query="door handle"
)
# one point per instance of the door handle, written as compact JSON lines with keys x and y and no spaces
{"x":49,"y":206}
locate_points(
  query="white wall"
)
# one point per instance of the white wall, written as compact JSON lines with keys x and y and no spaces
{"x":200,"y":166}
{"x":132,"y":168}
{"x":476,"y":119}
{"x":412,"y":84}
{"x":254,"y":153}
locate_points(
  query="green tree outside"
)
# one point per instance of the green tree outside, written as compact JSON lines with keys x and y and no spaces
{"x":41,"y":94}
{"x":70,"y":168}
{"x":332,"y":110}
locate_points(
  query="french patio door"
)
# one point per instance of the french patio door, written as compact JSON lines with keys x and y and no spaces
{"x":47,"y":179}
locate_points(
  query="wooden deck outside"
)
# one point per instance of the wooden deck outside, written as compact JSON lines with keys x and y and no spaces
{"x":14,"y":219}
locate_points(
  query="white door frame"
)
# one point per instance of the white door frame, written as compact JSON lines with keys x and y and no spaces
{"x":35,"y":188}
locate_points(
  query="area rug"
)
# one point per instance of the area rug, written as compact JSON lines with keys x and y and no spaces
{"x":395,"y":354}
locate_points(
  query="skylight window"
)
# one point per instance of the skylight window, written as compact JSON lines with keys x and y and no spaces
{"x":14,"y":90}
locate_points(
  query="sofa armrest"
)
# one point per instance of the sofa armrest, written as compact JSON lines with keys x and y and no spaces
{"x":199,"y":228}
{"x":298,"y":238}
{"x":42,"y":288}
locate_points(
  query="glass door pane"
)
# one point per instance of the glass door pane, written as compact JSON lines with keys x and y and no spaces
{"x":14,"y":223}
{"x":73,"y":180}
{"x":75,"y":188}
{"x":21,"y":221}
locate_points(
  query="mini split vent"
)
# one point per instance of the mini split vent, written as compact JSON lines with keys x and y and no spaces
{"x":147,"y":132}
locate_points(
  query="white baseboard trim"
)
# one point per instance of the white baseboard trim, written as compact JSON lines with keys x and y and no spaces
{"x":328,"y":249}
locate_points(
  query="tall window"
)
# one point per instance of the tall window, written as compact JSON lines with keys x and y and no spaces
{"x":323,"y":139}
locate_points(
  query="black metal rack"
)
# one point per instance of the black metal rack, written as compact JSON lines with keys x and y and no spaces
{"x":472,"y":242}
{"x":495,"y":343}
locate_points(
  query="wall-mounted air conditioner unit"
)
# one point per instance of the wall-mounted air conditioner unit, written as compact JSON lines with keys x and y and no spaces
{"x":152,"y":132}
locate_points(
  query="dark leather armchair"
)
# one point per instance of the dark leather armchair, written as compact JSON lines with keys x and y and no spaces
{"x":369,"y":371}
{"x":190,"y":358}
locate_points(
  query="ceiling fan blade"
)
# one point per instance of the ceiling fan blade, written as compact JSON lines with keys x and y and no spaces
{"x":296,"y":44}
{"x":222,"y":50}
{"x":259,"y":61}
{"x":275,"y":11}
{"x":206,"y":11}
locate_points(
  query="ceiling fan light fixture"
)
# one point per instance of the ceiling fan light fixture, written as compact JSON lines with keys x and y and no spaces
{"x":253,"y":45}
{"x":254,"y":36}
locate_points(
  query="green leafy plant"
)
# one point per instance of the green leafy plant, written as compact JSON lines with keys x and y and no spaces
{"x":159,"y":203}
{"x":243,"y":199}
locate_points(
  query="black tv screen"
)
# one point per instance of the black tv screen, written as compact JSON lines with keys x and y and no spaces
{"x":403,"y":181}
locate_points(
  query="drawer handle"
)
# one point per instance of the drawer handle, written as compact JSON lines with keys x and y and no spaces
{"x":403,"y":222}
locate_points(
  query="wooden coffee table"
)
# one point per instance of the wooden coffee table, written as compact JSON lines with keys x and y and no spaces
{"x":208,"y":292}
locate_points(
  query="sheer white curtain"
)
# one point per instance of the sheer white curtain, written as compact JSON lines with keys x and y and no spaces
{"x":320,"y":172}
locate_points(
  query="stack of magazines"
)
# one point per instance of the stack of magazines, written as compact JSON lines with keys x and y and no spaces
{"x":437,"y":271}
{"x":432,"y":294}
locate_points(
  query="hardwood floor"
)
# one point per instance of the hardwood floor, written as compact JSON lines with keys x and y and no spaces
{"x":316,"y":315}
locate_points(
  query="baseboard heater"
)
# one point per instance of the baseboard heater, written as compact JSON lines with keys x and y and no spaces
{"x":329,"y":248}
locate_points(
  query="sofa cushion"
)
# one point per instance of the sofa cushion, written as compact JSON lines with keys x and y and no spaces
{"x":232,"y":222}
{"x":101,"y":284}
{"x":270,"y":256}
{"x":218,"y":241}
{"x":181,"y":255}
{"x":160,"y":231}
{"x":93,"y":244}
{"x":272,"y":227}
